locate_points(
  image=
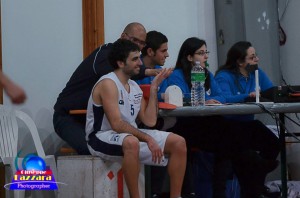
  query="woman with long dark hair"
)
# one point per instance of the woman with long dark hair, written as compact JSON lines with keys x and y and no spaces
{"x":236,"y":77}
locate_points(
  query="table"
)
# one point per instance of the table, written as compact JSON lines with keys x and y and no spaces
{"x":239,"y":109}
{"x":234,"y":109}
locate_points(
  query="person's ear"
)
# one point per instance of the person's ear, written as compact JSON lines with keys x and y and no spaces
{"x":150,"y":52}
{"x":121,"y":64}
{"x":123,"y":35}
{"x":240,"y":62}
{"x":190,"y":58}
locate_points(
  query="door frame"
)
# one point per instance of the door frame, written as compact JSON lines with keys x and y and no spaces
{"x":92,"y":25}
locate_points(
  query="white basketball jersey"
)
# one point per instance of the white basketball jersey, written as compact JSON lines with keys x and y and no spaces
{"x":129,"y":106}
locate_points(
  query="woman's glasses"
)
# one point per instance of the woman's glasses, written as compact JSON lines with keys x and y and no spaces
{"x":202,"y":53}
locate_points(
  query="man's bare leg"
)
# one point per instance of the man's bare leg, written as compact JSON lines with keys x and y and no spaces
{"x":176,"y":149}
{"x":131,"y":165}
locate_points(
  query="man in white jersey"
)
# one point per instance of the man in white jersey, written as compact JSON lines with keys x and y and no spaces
{"x":115,"y":103}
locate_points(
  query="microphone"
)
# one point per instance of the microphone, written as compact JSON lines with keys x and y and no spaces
{"x":251,"y":68}
{"x":206,"y":64}
{"x":256,"y":86}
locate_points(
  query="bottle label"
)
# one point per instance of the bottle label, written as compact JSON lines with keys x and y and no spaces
{"x":197,"y":77}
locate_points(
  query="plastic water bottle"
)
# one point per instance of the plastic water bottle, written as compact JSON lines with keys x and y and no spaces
{"x":198,"y":89}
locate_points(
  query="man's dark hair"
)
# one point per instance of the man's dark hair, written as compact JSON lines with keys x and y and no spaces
{"x":154,"y":40}
{"x":120,"y":51}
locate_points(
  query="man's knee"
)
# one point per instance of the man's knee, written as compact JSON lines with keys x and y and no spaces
{"x":131,"y":144}
{"x":176,"y":142}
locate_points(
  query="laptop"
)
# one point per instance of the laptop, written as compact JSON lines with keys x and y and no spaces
{"x":286,"y":93}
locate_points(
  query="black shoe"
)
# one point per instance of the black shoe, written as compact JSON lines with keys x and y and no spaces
{"x":269,"y":194}
{"x":155,"y":196}
{"x":189,"y":195}
{"x":251,"y":195}
{"x":265,"y":193}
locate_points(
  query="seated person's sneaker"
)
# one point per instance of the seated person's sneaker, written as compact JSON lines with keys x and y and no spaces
{"x":189,"y":195}
{"x":269,"y":194}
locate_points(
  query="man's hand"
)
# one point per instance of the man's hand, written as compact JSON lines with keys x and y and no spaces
{"x":163,"y":74}
{"x":152,"y":72}
{"x":16,"y":93}
{"x":212,"y":101}
{"x":252,"y":94}
{"x":156,"y":151}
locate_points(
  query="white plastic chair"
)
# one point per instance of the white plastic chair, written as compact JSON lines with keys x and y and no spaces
{"x":9,"y":140}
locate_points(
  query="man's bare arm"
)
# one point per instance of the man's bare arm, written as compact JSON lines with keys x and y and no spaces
{"x":148,"y":112}
{"x":106,"y":93}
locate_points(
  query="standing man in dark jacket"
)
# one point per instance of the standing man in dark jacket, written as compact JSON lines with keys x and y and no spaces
{"x":71,"y":128}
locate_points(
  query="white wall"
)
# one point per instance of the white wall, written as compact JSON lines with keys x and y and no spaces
{"x":261,"y":29}
{"x":42,"y":43}
{"x":41,"y":46}
{"x":177,"y":19}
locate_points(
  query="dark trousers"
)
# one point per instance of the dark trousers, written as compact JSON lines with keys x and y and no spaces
{"x":227,"y":137}
{"x":231,"y":141}
{"x":71,"y":128}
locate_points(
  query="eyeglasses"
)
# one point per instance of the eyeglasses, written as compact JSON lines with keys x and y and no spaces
{"x":202,"y":53}
{"x":254,"y":56}
{"x":136,"y":40}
